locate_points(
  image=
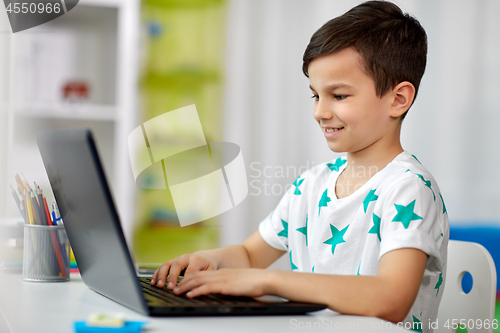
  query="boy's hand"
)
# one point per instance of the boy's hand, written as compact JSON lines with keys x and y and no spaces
{"x":190,"y":262}
{"x":252,"y":282}
{"x":254,"y":252}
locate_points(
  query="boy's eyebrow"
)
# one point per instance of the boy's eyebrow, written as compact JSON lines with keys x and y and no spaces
{"x":334,"y":86}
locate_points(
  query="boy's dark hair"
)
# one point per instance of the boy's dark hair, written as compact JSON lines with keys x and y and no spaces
{"x":393,"y":45}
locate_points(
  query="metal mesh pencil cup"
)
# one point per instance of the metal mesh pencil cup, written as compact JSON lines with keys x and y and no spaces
{"x":46,"y":253}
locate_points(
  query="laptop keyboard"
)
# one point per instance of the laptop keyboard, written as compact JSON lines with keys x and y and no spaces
{"x":165,"y":297}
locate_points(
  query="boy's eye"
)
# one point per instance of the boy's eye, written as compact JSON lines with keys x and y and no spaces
{"x":340,"y":97}
{"x":316,"y":97}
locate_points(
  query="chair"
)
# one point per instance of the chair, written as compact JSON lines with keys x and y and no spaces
{"x":476,"y":309}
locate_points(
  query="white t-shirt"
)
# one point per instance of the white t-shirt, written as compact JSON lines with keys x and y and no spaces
{"x":399,"y":207}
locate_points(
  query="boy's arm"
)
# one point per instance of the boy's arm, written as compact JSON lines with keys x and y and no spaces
{"x":259,"y":253}
{"x":253,"y":253}
{"x":388,"y":295}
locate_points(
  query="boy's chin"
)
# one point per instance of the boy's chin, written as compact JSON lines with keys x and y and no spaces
{"x":336,"y":149}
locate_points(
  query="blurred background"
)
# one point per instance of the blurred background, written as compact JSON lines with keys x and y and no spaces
{"x":111,"y":65}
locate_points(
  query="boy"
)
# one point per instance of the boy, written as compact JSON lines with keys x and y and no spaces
{"x":368,"y":234}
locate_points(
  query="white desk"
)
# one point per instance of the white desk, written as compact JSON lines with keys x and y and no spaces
{"x":32,"y":307}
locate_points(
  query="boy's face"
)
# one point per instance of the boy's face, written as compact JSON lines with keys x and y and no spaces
{"x":353,"y":118}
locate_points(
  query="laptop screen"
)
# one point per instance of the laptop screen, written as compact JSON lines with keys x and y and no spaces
{"x":89,"y":215}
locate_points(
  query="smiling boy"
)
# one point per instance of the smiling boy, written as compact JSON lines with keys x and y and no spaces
{"x":366,"y":234}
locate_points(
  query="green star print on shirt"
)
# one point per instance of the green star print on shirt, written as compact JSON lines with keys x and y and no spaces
{"x":439,"y":283}
{"x":369,"y":198}
{"x":323,"y":202}
{"x":337,"y":237}
{"x":303,"y":230}
{"x":284,"y":232}
{"x":427,"y":183}
{"x":405,"y":214}
{"x":346,"y":236}
{"x":376,"y":226}
{"x":291,"y":262}
{"x":417,"y":325}
{"x":336,"y":166}
{"x":297,"y":183}
{"x":444,"y":207}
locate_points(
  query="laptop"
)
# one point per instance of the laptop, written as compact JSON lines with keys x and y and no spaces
{"x":93,"y":226}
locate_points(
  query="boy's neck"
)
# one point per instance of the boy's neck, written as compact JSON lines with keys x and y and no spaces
{"x":376,"y":156}
{"x":372,"y":162}
{"x":361,"y":167}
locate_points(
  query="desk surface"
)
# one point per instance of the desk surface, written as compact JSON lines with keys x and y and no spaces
{"x":27,"y":307}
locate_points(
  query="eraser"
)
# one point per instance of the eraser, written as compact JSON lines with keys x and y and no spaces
{"x":106,"y":320}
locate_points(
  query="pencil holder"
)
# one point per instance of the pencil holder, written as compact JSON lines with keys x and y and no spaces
{"x":46,"y":253}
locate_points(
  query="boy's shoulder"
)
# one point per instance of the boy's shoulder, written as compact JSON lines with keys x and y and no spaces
{"x":406,"y":177}
{"x":408,"y":166}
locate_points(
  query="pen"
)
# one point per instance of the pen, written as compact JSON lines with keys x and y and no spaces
{"x":56,"y":215}
{"x":39,"y":218}
{"x":60,"y":253}
{"x":46,"y":208}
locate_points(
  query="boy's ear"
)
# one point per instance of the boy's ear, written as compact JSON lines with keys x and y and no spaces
{"x":403,"y":93}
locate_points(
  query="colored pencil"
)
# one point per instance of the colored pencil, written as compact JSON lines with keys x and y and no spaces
{"x":34,"y":205}
{"x":43,"y":216}
{"x":19,"y":183}
{"x":46,"y":208}
{"x":28,"y":208}
{"x":19,"y":204}
{"x":55,"y":240}
{"x":16,"y":197}
{"x":26,"y":185}
{"x":22,"y":208}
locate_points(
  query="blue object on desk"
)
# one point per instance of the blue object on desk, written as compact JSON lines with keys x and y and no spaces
{"x":485,"y":233}
{"x":129,"y":327}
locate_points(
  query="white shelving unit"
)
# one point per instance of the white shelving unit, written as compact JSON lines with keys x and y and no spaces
{"x":96,"y":42}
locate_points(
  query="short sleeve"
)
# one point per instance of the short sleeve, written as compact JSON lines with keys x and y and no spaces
{"x":410,"y":218}
{"x":274,"y":228}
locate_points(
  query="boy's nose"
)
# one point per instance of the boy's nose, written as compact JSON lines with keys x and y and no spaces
{"x":321,"y":111}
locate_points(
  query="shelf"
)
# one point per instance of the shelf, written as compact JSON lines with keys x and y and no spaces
{"x":69,"y":111}
{"x":96,"y":43}
{"x":78,"y":47}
